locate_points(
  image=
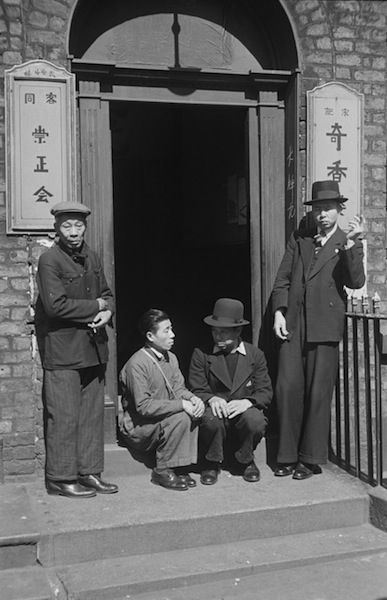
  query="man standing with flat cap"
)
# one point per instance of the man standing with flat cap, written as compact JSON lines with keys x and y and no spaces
{"x":72,"y":309}
{"x":231,"y":378}
{"x":309,"y":303}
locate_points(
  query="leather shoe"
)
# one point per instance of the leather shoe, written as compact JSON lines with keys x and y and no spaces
{"x":168,"y":479}
{"x":251,"y":473}
{"x":304,"y":471}
{"x":70,"y":489}
{"x":186,"y":477}
{"x":209,"y":476}
{"x":95,"y":482}
{"x":285,"y":470}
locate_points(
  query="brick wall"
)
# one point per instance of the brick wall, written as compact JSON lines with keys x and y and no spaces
{"x":344,"y":41}
{"x":338,"y":41}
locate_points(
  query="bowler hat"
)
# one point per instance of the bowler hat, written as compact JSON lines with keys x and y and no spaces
{"x":325,"y":190}
{"x":227,"y":313}
{"x":70,"y":207}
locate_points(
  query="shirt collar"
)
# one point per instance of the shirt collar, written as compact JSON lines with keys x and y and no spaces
{"x":326,"y":236}
{"x":159,"y":355}
{"x":241,"y":348}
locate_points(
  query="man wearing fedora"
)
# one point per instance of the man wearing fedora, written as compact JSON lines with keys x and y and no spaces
{"x":72,"y":309}
{"x":309,"y":303}
{"x":231,"y":378}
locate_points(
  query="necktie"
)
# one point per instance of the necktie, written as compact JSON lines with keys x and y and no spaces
{"x":318,"y":238}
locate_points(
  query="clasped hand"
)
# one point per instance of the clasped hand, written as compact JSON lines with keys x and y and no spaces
{"x":194,"y":407}
{"x":228,"y":410}
{"x":101,"y":319}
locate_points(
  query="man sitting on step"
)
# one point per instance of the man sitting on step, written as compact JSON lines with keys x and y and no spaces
{"x":231,"y":378}
{"x":159,"y":412}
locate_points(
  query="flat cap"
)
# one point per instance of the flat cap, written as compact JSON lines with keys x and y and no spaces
{"x":70,"y":207}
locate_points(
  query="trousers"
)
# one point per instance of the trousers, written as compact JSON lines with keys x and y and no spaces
{"x":306,"y":379}
{"x":249,"y":428}
{"x":174,"y":439}
{"x":74,"y":407}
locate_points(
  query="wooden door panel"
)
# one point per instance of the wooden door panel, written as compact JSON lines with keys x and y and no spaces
{"x":97,"y":194}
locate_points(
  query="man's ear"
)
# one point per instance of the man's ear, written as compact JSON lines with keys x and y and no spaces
{"x":149,"y":336}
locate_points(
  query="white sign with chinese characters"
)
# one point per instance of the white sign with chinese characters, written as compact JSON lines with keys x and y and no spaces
{"x":335,"y":133}
{"x":40,"y":130}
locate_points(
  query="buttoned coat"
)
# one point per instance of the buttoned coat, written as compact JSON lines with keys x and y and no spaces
{"x":209,"y":376}
{"x":66,"y":304}
{"x":319,"y":289}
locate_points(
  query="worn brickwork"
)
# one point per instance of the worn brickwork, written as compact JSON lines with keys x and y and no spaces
{"x":342,"y":41}
{"x":345,"y":41}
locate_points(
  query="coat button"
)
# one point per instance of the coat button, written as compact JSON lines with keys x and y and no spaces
{"x":331,"y":304}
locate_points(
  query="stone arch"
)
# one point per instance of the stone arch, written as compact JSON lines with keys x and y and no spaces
{"x":197,"y":34}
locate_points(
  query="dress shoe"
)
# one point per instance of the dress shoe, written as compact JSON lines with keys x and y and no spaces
{"x":209,"y":476}
{"x":251,"y":473}
{"x":168,"y":479}
{"x":186,"y":477}
{"x":70,"y":489}
{"x":305,"y":470}
{"x":285,"y":470}
{"x":95,"y":482}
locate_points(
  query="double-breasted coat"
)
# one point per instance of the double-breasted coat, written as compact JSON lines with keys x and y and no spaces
{"x":310,"y":291}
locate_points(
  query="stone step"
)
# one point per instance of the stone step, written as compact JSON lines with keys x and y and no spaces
{"x":193,"y":573}
{"x":143,"y":518}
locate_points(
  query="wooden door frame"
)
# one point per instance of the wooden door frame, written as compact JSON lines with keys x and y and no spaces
{"x":98,"y":85}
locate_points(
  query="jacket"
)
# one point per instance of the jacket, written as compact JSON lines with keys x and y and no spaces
{"x":67,"y":302}
{"x":209,"y":376}
{"x":146,"y":396}
{"x":318,"y":291}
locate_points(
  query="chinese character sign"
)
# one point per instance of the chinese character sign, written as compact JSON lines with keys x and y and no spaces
{"x":335,"y":121}
{"x":40,"y":141}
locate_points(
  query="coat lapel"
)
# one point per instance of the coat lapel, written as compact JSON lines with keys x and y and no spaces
{"x":219,"y":368}
{"x":242,"y":372}
{"x":307,"y":247}
{"x":327,"y":252}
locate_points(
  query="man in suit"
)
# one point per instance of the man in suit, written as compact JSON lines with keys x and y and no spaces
{"x":309,"y":303}
{"x":73,"y":307}
{"x":231,"y":378}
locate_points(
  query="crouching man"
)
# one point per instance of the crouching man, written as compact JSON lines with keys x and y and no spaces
{"x":231,"y":378}
{"x":159,"y":412}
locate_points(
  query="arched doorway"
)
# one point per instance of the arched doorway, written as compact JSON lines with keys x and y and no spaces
{"x":187,"y":119}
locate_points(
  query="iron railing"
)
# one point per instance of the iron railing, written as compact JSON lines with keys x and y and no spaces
{"x":356,"y":441}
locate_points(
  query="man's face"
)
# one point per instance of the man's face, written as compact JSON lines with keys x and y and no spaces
{"x":325,"y":214}
{"x":226,"y":338}
{"x":71,"y":230}
{"x":164,"y":337}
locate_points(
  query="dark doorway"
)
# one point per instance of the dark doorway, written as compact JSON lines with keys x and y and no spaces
{"x":181,"y":218}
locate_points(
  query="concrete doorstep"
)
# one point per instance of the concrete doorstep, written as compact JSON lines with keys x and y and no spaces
{"x":146,"y":539}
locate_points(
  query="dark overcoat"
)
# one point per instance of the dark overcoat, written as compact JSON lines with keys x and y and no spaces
{"x":209,"y":376}
{"x":319,"y":289}
{"x":67,"y":303}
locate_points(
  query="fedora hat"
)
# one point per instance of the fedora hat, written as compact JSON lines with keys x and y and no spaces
{"x":325,"y":190}
{"x":227,"y":313}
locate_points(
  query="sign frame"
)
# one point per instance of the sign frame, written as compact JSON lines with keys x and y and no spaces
{"x":334,"y":96}
{"x":40,"y":144}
